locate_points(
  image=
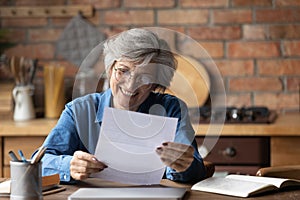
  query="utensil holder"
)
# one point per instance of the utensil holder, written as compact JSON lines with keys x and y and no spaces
{"x":24,"y":109}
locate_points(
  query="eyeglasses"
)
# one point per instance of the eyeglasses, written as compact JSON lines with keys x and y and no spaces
{"x":126,"y":74}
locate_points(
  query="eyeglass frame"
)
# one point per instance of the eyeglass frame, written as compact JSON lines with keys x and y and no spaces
{"x":127,"y":75}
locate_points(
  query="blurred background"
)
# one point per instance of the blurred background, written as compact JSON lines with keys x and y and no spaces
{"x":254,"y":43}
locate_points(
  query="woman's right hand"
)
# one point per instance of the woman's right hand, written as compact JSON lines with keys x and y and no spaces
{"x":83,"y":164}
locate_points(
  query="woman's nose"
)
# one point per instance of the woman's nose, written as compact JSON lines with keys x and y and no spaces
{"x":131,"y":83}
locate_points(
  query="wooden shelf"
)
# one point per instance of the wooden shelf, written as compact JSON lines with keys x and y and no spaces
{"x":46,"y":11}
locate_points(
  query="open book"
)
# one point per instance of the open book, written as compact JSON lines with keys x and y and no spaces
{"x":242,"y":185}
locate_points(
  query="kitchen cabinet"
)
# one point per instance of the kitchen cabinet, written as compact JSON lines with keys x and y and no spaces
{"x":232,"y":154}
{"x":283,"y":145}
{"x":282,"y":137}
{"x":26,"y":135}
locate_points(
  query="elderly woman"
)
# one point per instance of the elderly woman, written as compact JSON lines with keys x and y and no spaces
{"x":138,"y":64}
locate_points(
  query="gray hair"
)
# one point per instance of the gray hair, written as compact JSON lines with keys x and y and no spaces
{"x":143,"y":47}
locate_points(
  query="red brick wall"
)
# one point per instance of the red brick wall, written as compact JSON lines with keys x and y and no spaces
{"x":255,"y":43}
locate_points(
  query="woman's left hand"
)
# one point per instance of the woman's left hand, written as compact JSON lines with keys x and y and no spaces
{"x":176,"y":155}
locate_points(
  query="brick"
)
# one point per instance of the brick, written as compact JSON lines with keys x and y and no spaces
{"x":63,"y":21}
{"x":255,"y":84}
{"x":278,"y":101}
{"x":40,"y":51}
{"x":60,"y":21}
{"x":24,"y":22}
{"x":203,"y":3}
{"x":283,"y":3}
{"x":235,"y":67}
{"x":215,"y":33}
{"x":232,"y":16}
{"x":14,"y":36}
{"x":98,"y":4}
{"x":291,"y":48}
{"x":214,"y":49}
{"x":279,"y":67}
{"x":148,"y":4}
{"x":44,"y":35}
{"x":293,"y":84}
{"x":253,"y":49}
{"x":278,"y":15}
{"x":254,"y":32}
{"x":187,"y":16}
{"x":201,"y":49}
{"x":178,"y":29}
{"x":112,"y":31}
{"x":131,"y":17}
{"x":238,"y":100}
{"x":290,"y":31}
{"x":251,"y":3}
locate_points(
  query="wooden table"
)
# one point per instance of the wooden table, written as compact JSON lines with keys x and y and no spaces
{"x":191,"y":195}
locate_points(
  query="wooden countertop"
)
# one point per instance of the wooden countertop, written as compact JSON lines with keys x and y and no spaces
{"x":285,"y":125}
{"x":36,"y":127}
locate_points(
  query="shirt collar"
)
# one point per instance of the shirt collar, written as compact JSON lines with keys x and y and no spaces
{"x":104,"y":101}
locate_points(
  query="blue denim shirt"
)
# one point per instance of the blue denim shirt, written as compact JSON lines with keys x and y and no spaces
{"x":79,"y":125}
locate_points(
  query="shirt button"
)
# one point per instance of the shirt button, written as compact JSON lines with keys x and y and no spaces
{"x":65,"y":177}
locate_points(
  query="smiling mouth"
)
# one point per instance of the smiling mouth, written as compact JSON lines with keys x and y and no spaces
{"x":127,"y":93}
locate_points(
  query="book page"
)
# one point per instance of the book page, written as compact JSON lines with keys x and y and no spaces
{"x":5,"y":188}
{"x":232,"y":187}
{"x":269,"y":180}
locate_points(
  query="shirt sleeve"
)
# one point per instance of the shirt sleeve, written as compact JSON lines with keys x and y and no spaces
{"x":61,"y":144}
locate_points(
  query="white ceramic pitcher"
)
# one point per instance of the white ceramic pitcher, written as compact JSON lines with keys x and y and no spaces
{"x":24,"y":109}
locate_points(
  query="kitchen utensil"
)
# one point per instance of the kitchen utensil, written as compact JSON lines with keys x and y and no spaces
{"x":191,"y":82}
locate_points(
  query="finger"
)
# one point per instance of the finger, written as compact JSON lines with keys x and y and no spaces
{"x":174,"y":158}
{"x":175,"y":154}
{"x":85,"y":156}
{"x":82,"y":172}
{"x":81,"y":169}
{"x":86,"y":166}
{"x":169,"y":160}
{"x":77,"y":172}
{"x":88,"y":160}
{"x":178,"y":147}
{"x":177,"y":166}
{"x":79,"y":176}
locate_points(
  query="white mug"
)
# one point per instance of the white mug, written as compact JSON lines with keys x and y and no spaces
{"x":24,"y":109}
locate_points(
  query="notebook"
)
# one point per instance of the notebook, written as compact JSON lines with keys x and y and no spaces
{"x":141,"y":193}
